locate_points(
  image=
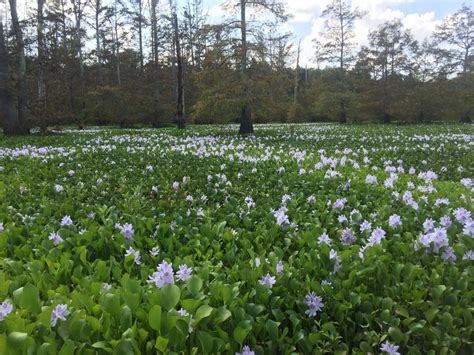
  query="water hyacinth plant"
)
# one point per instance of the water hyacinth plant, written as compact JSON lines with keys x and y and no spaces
{"x":314,"y":239}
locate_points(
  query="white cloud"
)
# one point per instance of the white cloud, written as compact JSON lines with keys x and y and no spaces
{"x":306,"y":22}
{"x":305,"y":11}
{"x":376,"y":12}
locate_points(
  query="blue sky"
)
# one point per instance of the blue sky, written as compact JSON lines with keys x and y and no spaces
{"x":420,"y":16}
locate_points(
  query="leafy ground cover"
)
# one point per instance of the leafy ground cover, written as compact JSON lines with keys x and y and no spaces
{"x":302,"y":239}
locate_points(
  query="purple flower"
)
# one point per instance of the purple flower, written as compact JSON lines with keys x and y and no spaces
{"x":267,"y":280}
{"x":324,"y":238}
{"x":249,"y":202}
{"x":468,"y":255}
{"x":370,"y":179}
{"x":314,"y":303}
{"x":339,"y":204}
{"x":365,"y":226}
{"x":394,"y":221}
{"x":58,"y":188}
{"x":428,"y":225}
{"x":333,"y":256}
{"x":66,"y":221}
{"x":1,"y":227}
{"x":163,"y":275}
{"x":183,"y":313}
{"x":467,"y":182}
{"x":135,"y":254}
{"x":449,"y":255}
{"x":376,"y":237}
{"x":154,"y":251}
{"x":56,"y":238}
{"x":341,"y":219}
{"x":5,"y":309}
{"x":60,"y":312}
{"x":445,"y":221}
{"x":469,"y":228}
{"x":246,"y":351}
{"x":127,"y":231}
{"x":279,"y":267}
{"x":106,"y":287}
{"x":348,"y":237}
{"x":184,"y":272}
{"x":389,"y":348}
{"x":462,"y":215}
{"x":438,"y":238}
{"x":281,"y":217}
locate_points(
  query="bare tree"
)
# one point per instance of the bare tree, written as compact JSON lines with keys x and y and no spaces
{"x":180,"y":118}
{"x":391,"y":46}
{"x":21,"y":124}
{"x":98,"y":8}
{"x":275,"y":8}
{"x":78,"y":11}
{"x":338,"y":45}
{"x":7,"y":110}
{"x":41,"y":57}
{"x":295,"y":93}
{"x":457,"y":31}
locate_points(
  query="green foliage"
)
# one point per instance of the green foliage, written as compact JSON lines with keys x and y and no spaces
{"x":398,"y":293}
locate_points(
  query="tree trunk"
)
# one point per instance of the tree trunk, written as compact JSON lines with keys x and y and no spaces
{"x":295,"y":93}
{"x":78,"y":12}
{"x":156,"y":63}
{"x":7,"y":109}
{"x":21,"y":122}
{"x":180,"y":119}
{"x":99,"y":78}
{"x":140,"y":32}
{"x":342,"y":112}
{"x":465,"y":118}
{"x":41,"y":82}
{"x":117,"y":45}
{"x":246,"y":125}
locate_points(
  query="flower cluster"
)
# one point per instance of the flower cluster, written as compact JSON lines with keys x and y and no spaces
{"x":164,"y":274}
{"x":5,"y":309}
{"x":314,"y":303}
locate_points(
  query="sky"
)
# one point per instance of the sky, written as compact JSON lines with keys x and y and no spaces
{"x":420,"y":16}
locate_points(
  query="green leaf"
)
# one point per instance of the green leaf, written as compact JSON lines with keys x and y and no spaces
{"x":272,"y":329}
{"x":17,"y":341}
{"x":28,"y":297}
{"x":170,"y":295}
{"x":221,"y":315}
{"x":203,"y":312}
{"x":396,"y":335}
{"x":242,"y":330}
{"x":205,"y":341}
{"x":68,"y":348}
{"x":161,"y":344}
{"x":124,"y":347}
{"x":102,"y":345}
{"x":194,"y":284}
{"x":154,"y":318}
{"x":111,"y":304}
{"x":437,"y":291}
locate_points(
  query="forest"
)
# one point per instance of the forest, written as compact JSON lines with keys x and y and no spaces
{"x":156,"y":63}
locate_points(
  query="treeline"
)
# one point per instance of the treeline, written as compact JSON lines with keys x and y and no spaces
{"x":130,"y":62}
